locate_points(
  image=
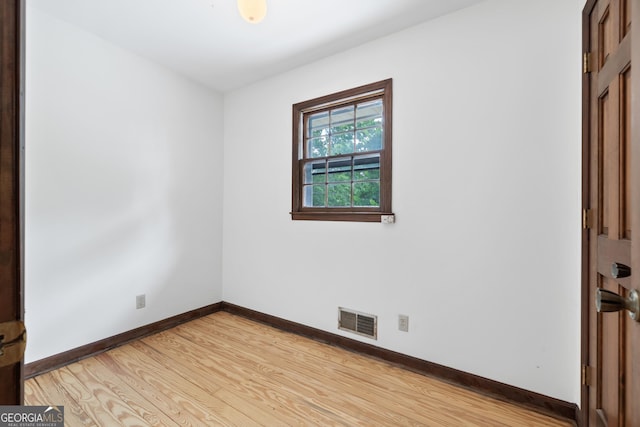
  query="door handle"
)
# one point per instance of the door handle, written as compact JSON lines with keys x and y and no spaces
{"x":620,"y":271}
{"x":607,"y":301}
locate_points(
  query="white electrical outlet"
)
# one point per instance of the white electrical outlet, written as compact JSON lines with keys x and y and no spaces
{"x":141,"y":301}
{"x":403,"y":323}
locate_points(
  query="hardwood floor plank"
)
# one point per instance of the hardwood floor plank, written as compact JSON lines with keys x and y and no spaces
{"x":193,"y":391}
{"x":47,"y":392}
{"x":312,"y":379}
{"x":161,"y":391}
{"x":312,"y":390}
{"x":246,"y":377}
{"x":79,"y":393}
{"x":229,"y":371}
{"x":384,"y":378}
{"x":130,"y":396}
{"x":251,"y":407}
{"x":103,"y":395}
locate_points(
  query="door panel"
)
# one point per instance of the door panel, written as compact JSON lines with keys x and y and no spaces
{"x":612,"y":195}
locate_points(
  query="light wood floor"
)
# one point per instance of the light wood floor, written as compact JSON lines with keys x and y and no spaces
{"x":226,"y":370}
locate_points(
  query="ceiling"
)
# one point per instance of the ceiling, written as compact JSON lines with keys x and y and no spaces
{"x":208,"y":41}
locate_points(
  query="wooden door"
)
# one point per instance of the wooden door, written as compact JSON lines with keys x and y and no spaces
{"x":11,"y":108}
{"x":611,"y":197}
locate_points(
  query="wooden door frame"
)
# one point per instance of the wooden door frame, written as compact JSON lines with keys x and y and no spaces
{"x":12,"y":45}
{"x":586,"y":181}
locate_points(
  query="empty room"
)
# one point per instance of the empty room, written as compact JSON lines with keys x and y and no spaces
{"x":320,"y":212}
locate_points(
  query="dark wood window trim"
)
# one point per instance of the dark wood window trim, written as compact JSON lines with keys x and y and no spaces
{"x":381,"y":90}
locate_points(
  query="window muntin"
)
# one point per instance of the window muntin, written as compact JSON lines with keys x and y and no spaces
{"x":342,"y":155}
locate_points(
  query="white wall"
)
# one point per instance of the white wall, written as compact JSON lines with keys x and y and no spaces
{"x":485,"y":254}
{"x":124,"y":189}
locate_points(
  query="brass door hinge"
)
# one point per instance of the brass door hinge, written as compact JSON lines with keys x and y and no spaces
{"x":587,"y":219}
{"x":586,"y":375}
{"x":13,"y":340}
{"x":586,"y":62}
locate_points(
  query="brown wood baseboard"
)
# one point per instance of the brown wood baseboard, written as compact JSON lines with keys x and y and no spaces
{"x":504,"y":392}
{"x":62,"y":359}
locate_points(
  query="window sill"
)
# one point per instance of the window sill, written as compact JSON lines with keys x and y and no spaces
{"x":339,"y":216}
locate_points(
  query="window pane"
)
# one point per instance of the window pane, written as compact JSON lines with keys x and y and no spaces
{"x":339,"y":170}
{"x":366,"y":194}
{"x":313,"y":195}
{"x":314,"y":172}
{"x":342,"y":143}
{"x":318,"y":147}
{"x":342,"y":119}
{"x":339,"y":195}
{"x":318,"y":125}
{"x":369,"y":139}
{"x":366,"y":168}
{"x":369,"y":114}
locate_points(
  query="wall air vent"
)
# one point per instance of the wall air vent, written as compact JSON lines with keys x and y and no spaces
{"x":359,"y":323}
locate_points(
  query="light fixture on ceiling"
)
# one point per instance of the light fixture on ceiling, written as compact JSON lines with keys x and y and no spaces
{"x":253,"y":11}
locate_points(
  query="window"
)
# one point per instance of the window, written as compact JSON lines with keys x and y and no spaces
{"x":342,"y":155}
